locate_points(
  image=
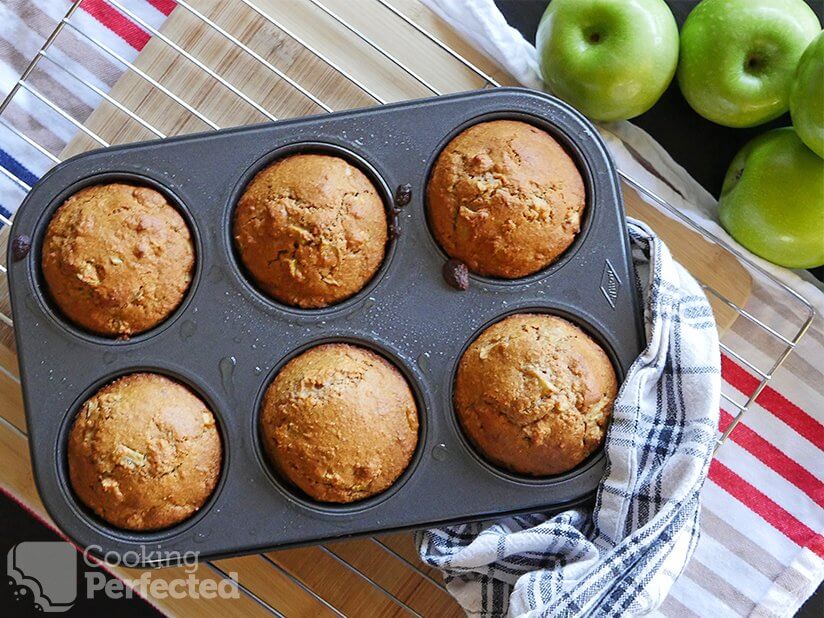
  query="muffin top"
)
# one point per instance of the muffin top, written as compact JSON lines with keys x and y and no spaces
{"x":311,"y":230}
{"x":117,"y":259}
{"x":340,"y":422}
{"x":505,"y":198}
{"x":144,"y":452}
{"x":534,"y":394}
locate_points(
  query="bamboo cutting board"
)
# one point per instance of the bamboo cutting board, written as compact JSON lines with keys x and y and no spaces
{"x":358,"y":577}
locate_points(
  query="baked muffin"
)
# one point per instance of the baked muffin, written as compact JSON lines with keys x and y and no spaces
{"x":339,"y":422}
{"x":144,"y":452}
{"x":117,"y":259}
{"x":311,"y":230}
{"x":505,"y":198}
{"x":534,"y":394}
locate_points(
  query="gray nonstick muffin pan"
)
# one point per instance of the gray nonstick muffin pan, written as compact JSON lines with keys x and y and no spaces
{"x":227,"y":340}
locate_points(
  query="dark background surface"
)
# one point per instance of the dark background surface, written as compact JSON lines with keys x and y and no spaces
{"x":703,"y":148}
{"x":18,"y":525}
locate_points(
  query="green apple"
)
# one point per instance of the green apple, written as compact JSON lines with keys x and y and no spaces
{"x":739,"y":57}
{"x":612,"y":59}
{"x":772,"y":201}
{"x":807,"y":97}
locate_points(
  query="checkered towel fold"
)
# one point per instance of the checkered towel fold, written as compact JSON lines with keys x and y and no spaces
{"x":622,"y":556}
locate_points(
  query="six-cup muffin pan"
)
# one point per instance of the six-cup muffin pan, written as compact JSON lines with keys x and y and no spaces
{"x":227,"y":340}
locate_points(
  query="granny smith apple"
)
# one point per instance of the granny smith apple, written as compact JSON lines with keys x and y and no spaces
{"x":612,"y":59}
{"x":807,"y":97}
{"x":772,"y":200}
{"x":739,"y":57}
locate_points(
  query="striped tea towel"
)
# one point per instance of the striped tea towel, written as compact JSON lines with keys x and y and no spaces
{"x":623,"y":556}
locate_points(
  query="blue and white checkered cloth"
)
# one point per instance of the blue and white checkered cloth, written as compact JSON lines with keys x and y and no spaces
{"x":621,"y":557}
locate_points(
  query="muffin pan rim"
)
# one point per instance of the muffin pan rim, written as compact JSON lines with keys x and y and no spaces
{"x":294,"y":494}
{"x":35,"y":265}
{"x":238,"y":270}
{"x":582,"y":164}
{"x":557,"y":309}
{"x":178,"y":375}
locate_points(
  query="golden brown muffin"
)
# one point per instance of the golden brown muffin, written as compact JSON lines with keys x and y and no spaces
{"x":117,"y":259}
{"x":144,"y":452}
{"x":311,"y":230}
{"x":534,"y":394}
{"x":505,"y":198}
{"x":340,"y":422}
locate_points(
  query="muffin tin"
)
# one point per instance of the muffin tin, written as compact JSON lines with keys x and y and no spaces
{"x":227,"y":341}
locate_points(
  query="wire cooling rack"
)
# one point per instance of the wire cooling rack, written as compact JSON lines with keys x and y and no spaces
{"x":759,"y":340}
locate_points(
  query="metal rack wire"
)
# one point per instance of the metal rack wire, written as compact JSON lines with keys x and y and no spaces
{"x":785,"y":342}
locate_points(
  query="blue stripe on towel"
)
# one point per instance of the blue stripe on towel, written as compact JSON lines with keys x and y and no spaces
{"x":18,"y":169}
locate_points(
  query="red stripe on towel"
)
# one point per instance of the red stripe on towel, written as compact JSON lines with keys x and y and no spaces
{"x":762,"y":505}
{"x":773,"y":401}
{"x":774,"y":458}
{"x":117,"y":23}
{"x":164,"y":6}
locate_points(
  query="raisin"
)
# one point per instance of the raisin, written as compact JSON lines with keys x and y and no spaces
{"x":456,"y":274}
{"x":20,"y":246}
{"x":403,"y":195}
